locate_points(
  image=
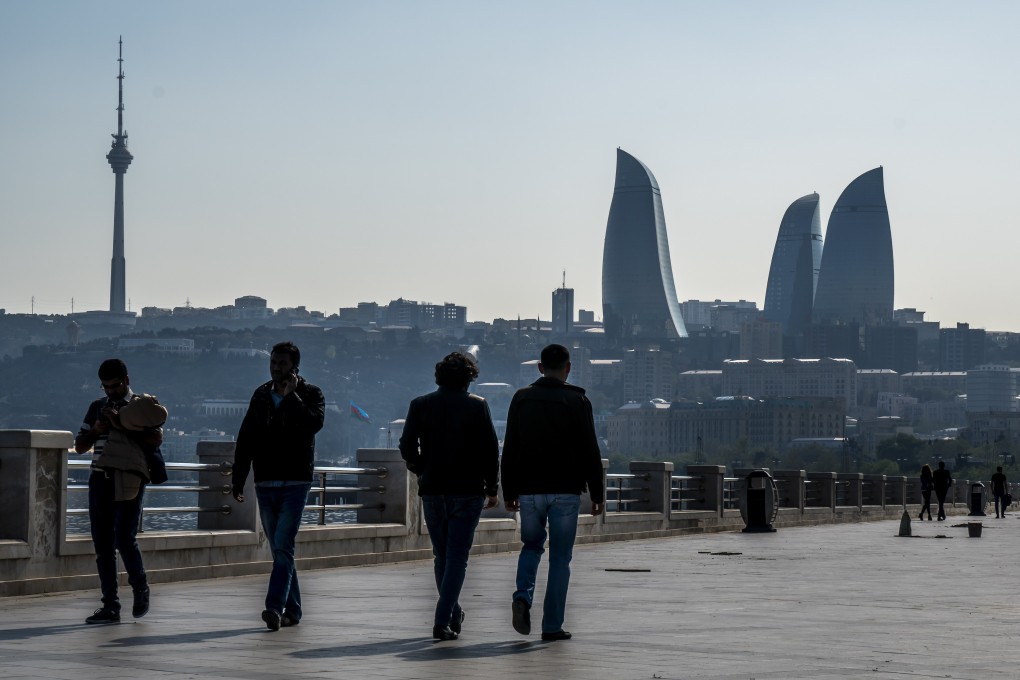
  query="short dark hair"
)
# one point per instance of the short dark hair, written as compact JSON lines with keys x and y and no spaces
{"x":111,"y":369}
{"x":288,"y":347}
{"x":942,"y":465}
{"x":456,"y":370}
{"x":555,"y":357}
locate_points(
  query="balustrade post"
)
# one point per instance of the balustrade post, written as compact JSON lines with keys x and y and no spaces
{"x":243,"y":516}
{"x":876,"y":490}
{"x":825,"y":482}
{"x":33,"y":488}
{"x":853,"y":487}
{"x":398,"y":505}
{"x":659,"y":483}
{"x":791,"y":488}
{"x":710,"y":484}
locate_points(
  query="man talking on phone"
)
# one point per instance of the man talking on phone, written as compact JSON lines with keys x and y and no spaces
{"x":277,"y":440}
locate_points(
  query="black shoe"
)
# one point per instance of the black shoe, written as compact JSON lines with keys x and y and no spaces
{"x":443,"y":633}
{"x":140,"y":607}
{"x":272,"y":619}
{"x":522,"y":617}
{"x":104,"y":615}
{"x":457,"y":621}
{"x":558,"y":635}
{"x":286,"y":620}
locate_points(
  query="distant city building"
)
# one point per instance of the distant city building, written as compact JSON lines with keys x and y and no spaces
{"x":701,"y":385}
{"x":872,"y":381}
{"x":730,"y":318}
{"x":890,"y":346}
{"x":760,"y":378}
{"x":856,"y":279}
{"x":562,"y":311}
{"x":639,"y":300}
{"x":761,"y":339}
{"x":648,"y":374}
{"x":159,"y":345}
{"x":922,"y":384}
{"x":585,"y":317}
{"x":796,"y":259}
{"x":697,"y":314}
{"x":961,"y":348}
{"x":894,"y":404}
{"x":991,"y":388}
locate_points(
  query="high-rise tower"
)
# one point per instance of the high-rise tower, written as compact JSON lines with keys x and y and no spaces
{"x":855,"y":283}
{"x":795,"y":261}
{"x":639,"y":300}
{"x":119,"y":159}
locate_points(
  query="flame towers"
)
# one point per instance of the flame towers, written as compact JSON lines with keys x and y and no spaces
{"x":855,"y":284}
{"x":119,"y":159}
{"x":790,"y":292}
{"x":639,"y":301}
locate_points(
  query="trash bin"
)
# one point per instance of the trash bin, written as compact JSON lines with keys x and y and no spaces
{"x":977,"y":500}
{"x":974,"y":529}
{"x":759,"y":502}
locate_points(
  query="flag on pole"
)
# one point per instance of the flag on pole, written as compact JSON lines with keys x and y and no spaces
{"x":359,"y":413}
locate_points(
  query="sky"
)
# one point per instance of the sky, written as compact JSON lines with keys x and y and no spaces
{"x":330,"y":153}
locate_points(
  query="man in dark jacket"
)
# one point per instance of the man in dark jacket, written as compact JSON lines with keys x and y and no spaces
{"x":942,"y":479}
{"x":277,"y":439}
{"x":450,"y":443}
{"x":550,"y":455}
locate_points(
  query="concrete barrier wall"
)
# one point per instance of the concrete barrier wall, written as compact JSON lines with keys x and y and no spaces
{"x":36,"y":555}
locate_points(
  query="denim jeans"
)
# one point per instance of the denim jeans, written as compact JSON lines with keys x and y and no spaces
{"x":559,"y":513}
{"x":451,"y":521}
{"x":114,"y":525}
{"x":280,"y":508}
{"x":1000,"y":502}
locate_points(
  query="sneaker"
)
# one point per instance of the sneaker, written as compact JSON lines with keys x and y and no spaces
{"x":455,"y":625}
{"x":286,"y":620}
{"x":522,"y":617}
{"x":104,"y":615}
{"x":557,"y":635}
{"x":140,"y":606}
{"x":272,"y":619}
{"x":443,"y":633}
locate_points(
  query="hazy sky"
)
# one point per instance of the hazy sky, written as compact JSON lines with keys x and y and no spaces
{"x":326,"y":153}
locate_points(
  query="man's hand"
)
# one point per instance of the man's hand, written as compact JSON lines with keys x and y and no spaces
{"x":287,"y":385}
{"x":597,"y":508}
{"x":236,"y":493}
{"x":491,"y":502}
{"x":101,"y":427}
{"x":512,"y":506}
{"x":111,"y":416}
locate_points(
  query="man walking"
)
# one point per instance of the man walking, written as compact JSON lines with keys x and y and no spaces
{"x":114,"y":512}
{"x":999,"y":489}
{"x":277,"y":439}
{"x":942,"y":479}
{"x":450,"y":443}
{"x":550,"y":455}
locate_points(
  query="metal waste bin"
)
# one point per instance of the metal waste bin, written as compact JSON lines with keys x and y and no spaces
{"x":977,"y":500}
{"x":759,"y":502}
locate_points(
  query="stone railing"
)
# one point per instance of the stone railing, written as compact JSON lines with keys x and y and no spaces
{"x":37,"y":555}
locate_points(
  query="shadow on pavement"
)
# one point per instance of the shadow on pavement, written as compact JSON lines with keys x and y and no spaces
{"x":422,"y":649}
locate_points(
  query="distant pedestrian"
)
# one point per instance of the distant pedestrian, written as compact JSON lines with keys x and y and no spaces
{"x":550,"y":455}
{"x":999,"y":489}
{"x":942,"y":480}
{"x":120,"y":471}
{"x":450,"y":443}
{"x":277,"y":440}
{"x":927,"y":486}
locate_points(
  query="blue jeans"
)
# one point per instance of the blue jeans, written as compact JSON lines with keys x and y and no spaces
{"x":559,"y":513}
{"x":114,"y":525}
{"x":280,"y":508}
{"x":451,"y":521}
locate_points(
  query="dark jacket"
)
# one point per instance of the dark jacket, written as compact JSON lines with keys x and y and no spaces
{"x":942,"y":479}
{"x":450,"y":443}
{"x":279,"y":441}
{"x":550,"y":444}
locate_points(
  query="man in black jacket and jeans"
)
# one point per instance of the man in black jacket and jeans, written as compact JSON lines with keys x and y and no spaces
{"x":550,"y":454}
{"x":277,"y":439}
{"x":450,"y":443}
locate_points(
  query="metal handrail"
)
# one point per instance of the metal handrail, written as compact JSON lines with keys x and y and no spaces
{"x":223,"y":509}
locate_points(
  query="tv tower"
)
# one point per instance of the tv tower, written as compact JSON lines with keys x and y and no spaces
{"x":119,"y":159}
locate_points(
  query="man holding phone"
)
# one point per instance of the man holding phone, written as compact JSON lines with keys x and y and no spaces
{"x":277,"y":440}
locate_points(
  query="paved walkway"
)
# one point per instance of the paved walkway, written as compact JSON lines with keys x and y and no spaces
{"x":846,"y":601}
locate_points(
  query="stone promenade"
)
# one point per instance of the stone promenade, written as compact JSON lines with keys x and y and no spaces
{"x":840,"y":601}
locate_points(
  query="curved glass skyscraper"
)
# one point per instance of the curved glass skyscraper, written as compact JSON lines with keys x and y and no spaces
{"x":790,"y":292}
{"x":855,"y":283}
{"x":638,"y":295}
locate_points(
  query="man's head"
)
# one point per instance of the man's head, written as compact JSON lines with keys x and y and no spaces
{"x":456,"y":370}
{"x":284,"y":360}
{"x":998,"y":469}
{"x":113,"y":377}
{"x":554,"y":362}
{"x":942,"y":465}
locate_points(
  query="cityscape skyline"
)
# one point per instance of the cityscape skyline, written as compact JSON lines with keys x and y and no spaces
{"x":354,"y":144}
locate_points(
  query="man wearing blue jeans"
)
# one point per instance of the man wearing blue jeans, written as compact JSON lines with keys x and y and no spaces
{"x":277,"y":440}
{"x":550,"y":455}
{"x":450,"y":444}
